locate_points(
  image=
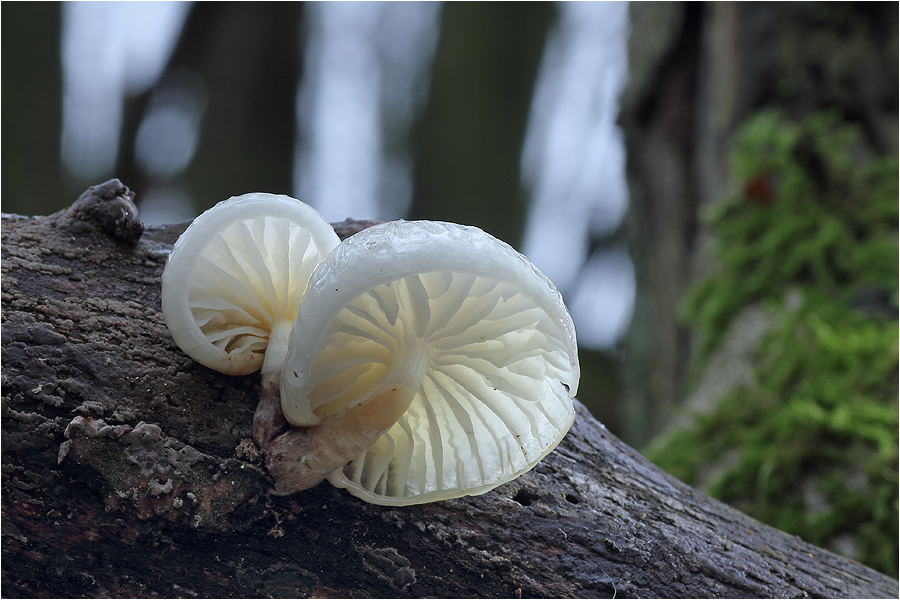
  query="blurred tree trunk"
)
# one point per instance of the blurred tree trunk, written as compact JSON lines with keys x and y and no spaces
{"x":696,"y":71}
{"x":468,"y":143}
{"x":32,"y":105}
{"x":120,"y":474}
{"x":241,"y":62}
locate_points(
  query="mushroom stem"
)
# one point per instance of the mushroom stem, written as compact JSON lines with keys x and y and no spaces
{"x":304,"y":456}
{"x":269,"y":421}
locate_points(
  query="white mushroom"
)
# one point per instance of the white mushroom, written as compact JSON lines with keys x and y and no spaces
{"x":232,"y":284}
{"x":434,"y":362}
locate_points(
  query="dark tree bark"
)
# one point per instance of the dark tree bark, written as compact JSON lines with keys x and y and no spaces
{"x":122,"y":472}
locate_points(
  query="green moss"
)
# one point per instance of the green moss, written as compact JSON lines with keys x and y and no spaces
{"x":807,"y":211}
{"x":812,"y":448}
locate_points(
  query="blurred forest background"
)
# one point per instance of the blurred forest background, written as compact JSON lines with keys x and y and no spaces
{"x":733,"y":280}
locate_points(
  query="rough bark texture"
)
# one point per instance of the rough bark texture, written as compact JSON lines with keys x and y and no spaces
{"x":127,"y":472}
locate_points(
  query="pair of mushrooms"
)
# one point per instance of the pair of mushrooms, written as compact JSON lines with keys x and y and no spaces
{"x":415,"y":361}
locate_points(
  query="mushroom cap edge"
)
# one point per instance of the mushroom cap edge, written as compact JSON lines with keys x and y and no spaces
{"x":182,"y":261}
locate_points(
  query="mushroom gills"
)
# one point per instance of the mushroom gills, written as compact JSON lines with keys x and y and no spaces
{"x":237,"y":271}
{"x":502,"y":363}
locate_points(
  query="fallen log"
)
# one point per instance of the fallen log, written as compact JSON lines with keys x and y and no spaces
{"x":126,"y":471}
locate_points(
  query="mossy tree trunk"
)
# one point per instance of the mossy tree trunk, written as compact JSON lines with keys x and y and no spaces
{"x":696,"y":72}
{"x":120,"y":476}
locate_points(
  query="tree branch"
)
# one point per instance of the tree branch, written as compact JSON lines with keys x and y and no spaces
{"x":126,"y":471}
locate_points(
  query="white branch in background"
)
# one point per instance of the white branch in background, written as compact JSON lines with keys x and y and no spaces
{"x":365,"y":75}
{"x":573,"y":163}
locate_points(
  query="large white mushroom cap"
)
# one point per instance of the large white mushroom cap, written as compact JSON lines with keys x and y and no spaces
{"x":462,"y":318}
{"x":237,"y":273}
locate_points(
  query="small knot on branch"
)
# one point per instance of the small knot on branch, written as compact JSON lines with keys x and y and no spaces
{"x":108,"y":207}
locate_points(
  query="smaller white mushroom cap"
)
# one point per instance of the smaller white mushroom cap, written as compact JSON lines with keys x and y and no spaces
{"x":471,"y":325}
{"x":238,"y":271}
